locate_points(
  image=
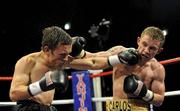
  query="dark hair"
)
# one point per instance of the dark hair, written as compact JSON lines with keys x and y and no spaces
{"x":155,"y":33}
{"x":53,"y":36}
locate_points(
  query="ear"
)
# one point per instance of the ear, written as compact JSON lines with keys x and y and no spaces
{"x":45,"y":48}
{"x":138,"y":40}
{"x":160,"y":50}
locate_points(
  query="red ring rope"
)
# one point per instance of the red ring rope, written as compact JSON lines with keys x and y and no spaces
{"x":164,"y":62}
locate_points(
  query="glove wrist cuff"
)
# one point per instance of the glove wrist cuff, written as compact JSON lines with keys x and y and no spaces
{"x":113,"y":60}
{"x":81,"y":54}
{"x":149,"y":96}
{"x":34,"y":88}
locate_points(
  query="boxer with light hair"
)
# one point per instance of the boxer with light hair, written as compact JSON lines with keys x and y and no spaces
{"x":138,"y":77}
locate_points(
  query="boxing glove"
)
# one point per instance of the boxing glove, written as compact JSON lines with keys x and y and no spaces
{"x":77,"y":47}
{"x":128,"y":57}
{"x":134,"y":86}
{"x":51,"y":80}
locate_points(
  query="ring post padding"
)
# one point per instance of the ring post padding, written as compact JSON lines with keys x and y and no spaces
{"x":81,"y":91}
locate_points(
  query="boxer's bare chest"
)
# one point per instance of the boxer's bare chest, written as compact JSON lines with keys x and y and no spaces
{"x":38,"y":71}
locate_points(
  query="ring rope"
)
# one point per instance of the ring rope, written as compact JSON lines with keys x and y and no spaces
{"x":164,"y":62}
{"x":100,"y":99}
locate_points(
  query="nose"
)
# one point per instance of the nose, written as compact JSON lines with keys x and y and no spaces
{"x":65,"y":58}
{"x":146,"y":50}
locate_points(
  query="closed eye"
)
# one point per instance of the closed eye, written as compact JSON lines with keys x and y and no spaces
{"x":62,"y":55}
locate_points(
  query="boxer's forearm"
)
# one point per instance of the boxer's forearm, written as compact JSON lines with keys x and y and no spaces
{"x":89,"y":63}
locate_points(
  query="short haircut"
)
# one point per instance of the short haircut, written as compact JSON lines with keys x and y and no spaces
{"x":155,"y":33}
{"x":53,"y":36}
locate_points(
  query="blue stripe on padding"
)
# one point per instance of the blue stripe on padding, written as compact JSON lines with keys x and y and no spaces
{"x":81,"y":91}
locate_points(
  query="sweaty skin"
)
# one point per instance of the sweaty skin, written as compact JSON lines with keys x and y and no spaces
{"x":148,"y":69}
{"x":31,"y":68}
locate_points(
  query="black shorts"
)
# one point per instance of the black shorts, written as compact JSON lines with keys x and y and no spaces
{"x":28,"y":105}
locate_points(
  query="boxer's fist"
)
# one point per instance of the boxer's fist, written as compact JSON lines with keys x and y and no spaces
{"x":128,"y":57}
{"x":51,"y":80}
{"x":77,"y":47}
{"x":135,"y":87}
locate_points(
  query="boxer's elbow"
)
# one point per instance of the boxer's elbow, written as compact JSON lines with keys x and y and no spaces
{"x":159,"y":101}
{"x":16,"y":95}
{"x":158,"y":104}
{"x":13,"y":95}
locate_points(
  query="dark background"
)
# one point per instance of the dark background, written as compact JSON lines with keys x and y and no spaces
{"x":21,"y":24}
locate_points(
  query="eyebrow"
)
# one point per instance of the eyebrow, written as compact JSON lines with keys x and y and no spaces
{"x":63,"y":53}
{"x":151,"y":46}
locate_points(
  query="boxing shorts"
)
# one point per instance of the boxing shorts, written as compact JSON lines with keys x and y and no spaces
{"x":29,"y":105}
{"x":126,"y":105}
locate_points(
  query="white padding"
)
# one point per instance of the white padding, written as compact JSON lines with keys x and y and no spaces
{"x":34,"y":88}
{"x":114,"y":60}
{"x":149,"y":96}
{"x":81,"y":54}
{"x":138,"y":90}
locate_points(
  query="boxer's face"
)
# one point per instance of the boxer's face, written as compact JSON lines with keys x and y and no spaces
{"x":148,"y":47}
{"x":60,"y":55}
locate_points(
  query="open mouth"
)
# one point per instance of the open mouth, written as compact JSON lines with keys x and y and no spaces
{"x":144,"y":56}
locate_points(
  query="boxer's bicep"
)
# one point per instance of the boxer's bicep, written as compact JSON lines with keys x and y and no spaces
{"x":115,"y":50}
{"x":158,"y":86}
{"x":112,"y":51}
{"x":20,"y":79}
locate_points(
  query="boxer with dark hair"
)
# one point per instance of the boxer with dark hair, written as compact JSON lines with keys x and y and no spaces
{"x":36,"y":75}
